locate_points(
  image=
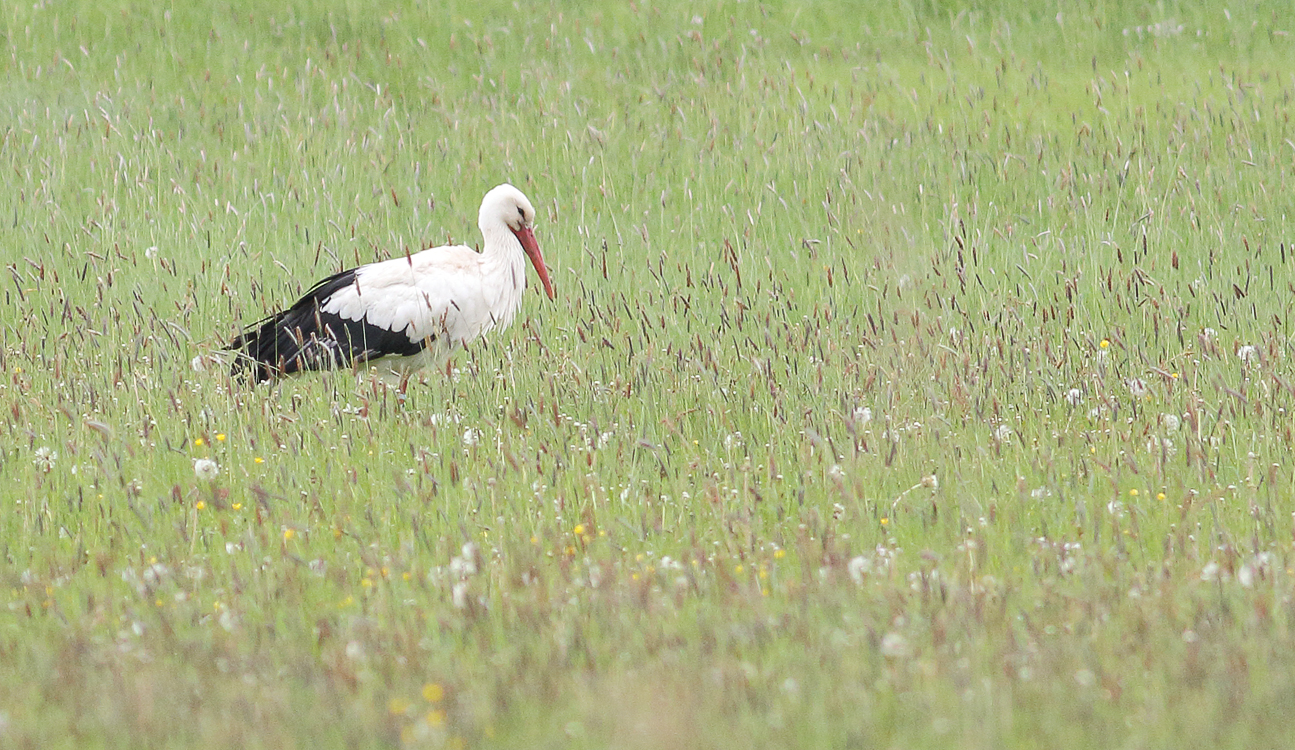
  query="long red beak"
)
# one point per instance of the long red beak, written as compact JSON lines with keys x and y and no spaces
{"x":532,"y":248}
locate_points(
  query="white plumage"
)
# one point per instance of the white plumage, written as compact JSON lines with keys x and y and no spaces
{"x":408,"y":312}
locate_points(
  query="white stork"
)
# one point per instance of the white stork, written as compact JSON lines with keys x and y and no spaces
{"x":407,"y":312}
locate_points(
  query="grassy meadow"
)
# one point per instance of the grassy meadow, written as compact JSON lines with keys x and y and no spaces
{"x":920,"y":376}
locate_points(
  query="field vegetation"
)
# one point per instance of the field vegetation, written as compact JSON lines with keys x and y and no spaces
{"x":921,"y":375}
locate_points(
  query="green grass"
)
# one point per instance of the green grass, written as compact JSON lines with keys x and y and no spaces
{"x":847,"y":428}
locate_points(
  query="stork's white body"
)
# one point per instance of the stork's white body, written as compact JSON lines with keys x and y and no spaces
{"x":447,"y":295}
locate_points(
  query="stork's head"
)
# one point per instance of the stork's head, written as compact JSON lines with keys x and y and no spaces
{"x":507,"y":205}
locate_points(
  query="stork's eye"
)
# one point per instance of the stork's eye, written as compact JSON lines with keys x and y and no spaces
{"x":520,"y":212}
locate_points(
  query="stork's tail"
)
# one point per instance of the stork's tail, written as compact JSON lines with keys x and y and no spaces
{"x":257,"y":353}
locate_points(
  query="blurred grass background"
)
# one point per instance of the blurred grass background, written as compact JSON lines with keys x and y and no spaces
{"x":918,"y":377}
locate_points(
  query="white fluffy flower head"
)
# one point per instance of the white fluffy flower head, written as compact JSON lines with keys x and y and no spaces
{"x":205,"y":469}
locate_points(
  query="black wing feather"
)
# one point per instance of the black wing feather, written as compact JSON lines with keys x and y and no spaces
{"x":303,"y":337}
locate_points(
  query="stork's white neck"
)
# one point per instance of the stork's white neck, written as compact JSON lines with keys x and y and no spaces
{"x":499,"y":240}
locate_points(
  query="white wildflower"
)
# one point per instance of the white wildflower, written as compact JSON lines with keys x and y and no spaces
{"x":1170,"y":422}
{"x":44,"y":458}
{"x":205,"y":469}
{"x":465,"y":564}
{"x":1166,"y":28}
{"x":1209,"y":334}
{"x":1137,"y":387}
{"x":895,"y":646}
{"x":1259,"y":566}
{"x":155,"y":573}
{"x":1210,"y":572}
{"x":1248,"y":354}
{"x":459,"y":595}
{"x":862,"y":416}
{"x":1074,"y":396}
{"x":858,"y":568}
{"x":1003,"y":434}
{"x":150,"y":252}
{"x":471,"y":437}
{"x":931,"y":482}
{"x":836,"y":472}
{"x":669,"y":563}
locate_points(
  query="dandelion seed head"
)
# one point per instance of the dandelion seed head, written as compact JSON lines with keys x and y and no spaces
{"x":459,"y":595}
{"x":205,"y":469}
{"x":859,"y":567}
{"x":45,"y":458}
{"x":895,"y":646}
{"x":464,"y":564}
